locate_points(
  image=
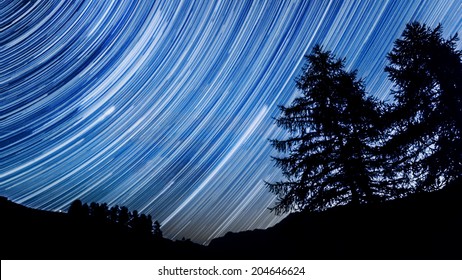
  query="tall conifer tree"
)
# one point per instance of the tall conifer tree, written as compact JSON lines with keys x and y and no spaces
{"x":329,"y":157}
{"x":426,"y":119}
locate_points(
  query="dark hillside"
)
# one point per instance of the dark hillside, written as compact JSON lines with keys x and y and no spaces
{"x":35,"y":234}
{"x":422,"y":226}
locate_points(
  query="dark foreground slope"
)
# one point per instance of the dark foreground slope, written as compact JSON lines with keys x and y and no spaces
{"x":423,"y":226}
{"x":36,"y":234}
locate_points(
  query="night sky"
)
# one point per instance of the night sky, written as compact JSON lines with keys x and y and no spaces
{"x":166,"y":107}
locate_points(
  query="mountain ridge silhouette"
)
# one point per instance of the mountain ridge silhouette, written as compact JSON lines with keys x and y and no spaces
{"x":421,"y":226}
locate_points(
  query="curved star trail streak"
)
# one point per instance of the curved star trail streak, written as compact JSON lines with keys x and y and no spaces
{"x":166,"y":106}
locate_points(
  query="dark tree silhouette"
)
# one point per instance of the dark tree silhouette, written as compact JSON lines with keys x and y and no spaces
{"x":75,"y":209}
{"x":99,"y":212}
{"x":134,"y":220}
{"x":114,"y":214}
{"x":93,"y":209}
{"x":124,"y":216}
{"x":426,"y":120}
{"x":78,"y":210}
{"x":85,"y":209}
{"x":330,"y":156}
{"x":139,"y":224}
{"x":144,"y":226}
{"x":157,"y":232}
{"x":147,"y":225}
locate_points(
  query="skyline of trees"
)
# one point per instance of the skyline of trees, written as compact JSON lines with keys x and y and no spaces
{"x":140,"y":223}
{"x":344,"y":147}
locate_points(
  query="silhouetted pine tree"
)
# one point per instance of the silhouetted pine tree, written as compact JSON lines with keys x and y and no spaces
{"x":75,"y":209}
{"x":93,"y":211}
{"x":426,"y":120}
{"x":330,"y":156}
{"x":134,"y":220}
{"x":140,"y":224}
{"x":100,"y":212}
{"x":79,"y":210}
{"x":144,"y":226}
{"x":85,"y":210}
{"x":147,"y":226}
{"x":114,"y":214}
{"x":124,"y":216}
{"x":157,"y":232}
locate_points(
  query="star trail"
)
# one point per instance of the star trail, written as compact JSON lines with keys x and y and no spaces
{"x":166,"y":106}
